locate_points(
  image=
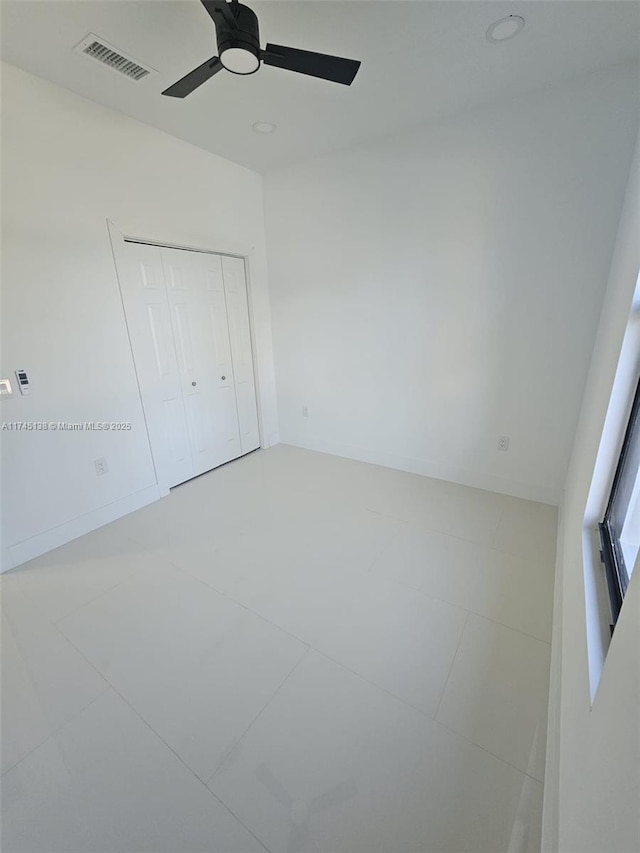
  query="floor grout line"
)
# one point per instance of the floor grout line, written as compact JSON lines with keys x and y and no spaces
{"x":488,"y":751}
{"x":55,"y":731}
{"x":453,"y":660}
{"x":431,"y":597}
{"x":495,"y":532}
{"x":56,"y":622}
{"x":511,"y":628}
{"x":422,"y":713}
{"x":239,"y":740}
{"x":106,"y":686}
{"x":238,"y":818}
{"x":115,"y":690}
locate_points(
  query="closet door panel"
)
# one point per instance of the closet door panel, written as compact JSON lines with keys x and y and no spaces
{"x":198,"y":316}
{"x":144,"y":295}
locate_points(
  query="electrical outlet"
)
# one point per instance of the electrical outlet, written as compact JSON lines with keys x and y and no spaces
{"x":305,"y":411}
{"x":101,"y":466}
{"x":503,"y":442}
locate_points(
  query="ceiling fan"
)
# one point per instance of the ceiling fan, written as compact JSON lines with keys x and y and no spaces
{"x":239,"y":48}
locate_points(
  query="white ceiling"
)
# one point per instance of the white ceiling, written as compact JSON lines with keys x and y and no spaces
{"x":420,"y":60}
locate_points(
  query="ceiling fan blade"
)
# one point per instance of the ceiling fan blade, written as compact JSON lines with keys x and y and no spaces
{"x":333,"y":68}
{"x":220,"y":9}
{"x":195,"y":78}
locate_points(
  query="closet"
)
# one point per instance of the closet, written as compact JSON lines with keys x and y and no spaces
{"x":188,"y":322}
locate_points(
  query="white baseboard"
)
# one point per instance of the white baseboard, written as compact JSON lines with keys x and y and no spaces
{"x":39,"y":544}
{"x":464,"y":477}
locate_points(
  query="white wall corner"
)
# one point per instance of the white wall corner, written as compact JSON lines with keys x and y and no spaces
{"x":551,"y":794}
{"x":272,"y":438}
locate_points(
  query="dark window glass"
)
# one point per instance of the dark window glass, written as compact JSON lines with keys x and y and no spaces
{"x":620,"y":527}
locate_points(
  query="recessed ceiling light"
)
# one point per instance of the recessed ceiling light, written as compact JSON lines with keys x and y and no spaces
{"x":505,"y":28}
{"x":264,"y":127}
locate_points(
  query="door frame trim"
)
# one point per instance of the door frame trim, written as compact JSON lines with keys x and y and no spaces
{"x":243,"y":252}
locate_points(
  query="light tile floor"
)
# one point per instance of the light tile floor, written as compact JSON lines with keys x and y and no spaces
{"x":295,"y":652}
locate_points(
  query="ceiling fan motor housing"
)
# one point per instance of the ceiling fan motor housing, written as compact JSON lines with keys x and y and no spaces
{"x":243,"y":42}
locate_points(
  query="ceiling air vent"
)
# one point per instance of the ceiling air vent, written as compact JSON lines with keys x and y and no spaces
{"x":97,"y":48}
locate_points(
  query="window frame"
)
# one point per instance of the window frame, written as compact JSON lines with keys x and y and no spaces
{"x":627,"y":470}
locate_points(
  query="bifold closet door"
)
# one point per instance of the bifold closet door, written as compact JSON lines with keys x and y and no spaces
{"x":196,"y":294}
{"x":144,"y":295}
{"x":188,"y":322}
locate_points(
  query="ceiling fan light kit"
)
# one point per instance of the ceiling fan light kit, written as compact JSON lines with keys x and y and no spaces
{"x":239,"y":45}
{"x":238,"y":39}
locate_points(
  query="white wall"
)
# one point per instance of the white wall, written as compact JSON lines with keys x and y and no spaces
{"x":437,"y":290}
{"x":67,"y":166}
{"x":592,"y":786}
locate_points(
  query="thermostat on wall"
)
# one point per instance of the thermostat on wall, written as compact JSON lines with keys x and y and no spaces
{"x":23,"y":381}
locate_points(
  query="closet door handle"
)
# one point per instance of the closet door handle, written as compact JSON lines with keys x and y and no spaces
{"x":223,"y":377}
{"x":194,"y":384}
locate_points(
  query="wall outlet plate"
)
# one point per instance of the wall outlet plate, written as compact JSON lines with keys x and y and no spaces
{"x":503,"y":442}
{"x":5,"y":388}
{"x":101,"y":466}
